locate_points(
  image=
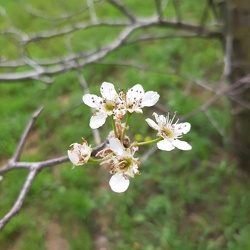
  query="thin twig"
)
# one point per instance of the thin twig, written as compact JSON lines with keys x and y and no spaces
{"x":92,"y":12}
{"x":214,"y":123}
{"x":40,"y":14}
{"x":25,"y":134}
{"x":123,"y":9}
{"x":238,"y":84}
{"x":177,"y":10}
{"x":23,"y":193}
{"x":158,"y":8}
{"x":150,"y":152}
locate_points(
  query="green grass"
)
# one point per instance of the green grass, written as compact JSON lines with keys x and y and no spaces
{"x":182,"y":200}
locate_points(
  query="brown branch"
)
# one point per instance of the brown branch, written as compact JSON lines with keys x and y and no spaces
{"x":88,"y":57}
{"x":40,"y":14}
{"x":33,"y":167}
{"x":25,"y":134}
{"x":226,"y":91}
{"x":177,"y":10}
{"x":159,"y":10}
{"x":18,"y":204}
{"x":121,"y":7}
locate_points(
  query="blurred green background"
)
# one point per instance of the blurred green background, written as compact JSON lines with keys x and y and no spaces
{"x":182,"y":200}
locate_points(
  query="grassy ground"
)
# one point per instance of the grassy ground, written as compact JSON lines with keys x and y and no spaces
{"x":183,"y":200}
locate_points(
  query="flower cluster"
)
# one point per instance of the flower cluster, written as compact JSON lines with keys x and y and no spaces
{"x":118,"y":152}
{"x":117,"y":104}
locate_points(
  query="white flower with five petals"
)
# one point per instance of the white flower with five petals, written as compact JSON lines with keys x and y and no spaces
{"x":109,"y":104}
{"x":136,"y":99}
{"x":79,"y":154}
{"x":117,"y":105}
{"x":122,"y":165}
{"x":170,"y":132}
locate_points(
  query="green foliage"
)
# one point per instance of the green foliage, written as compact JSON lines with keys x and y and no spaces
{"x":182,"y":200}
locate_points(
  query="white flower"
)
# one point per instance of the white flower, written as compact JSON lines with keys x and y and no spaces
{"x":170,"y":132}
{"x":109,"y":104}
{"x":117,"y":105}
{"x":1,"y":178}
{"x":136,"y":99}
{"x":122,"y":165}
{"x":79,"y":154}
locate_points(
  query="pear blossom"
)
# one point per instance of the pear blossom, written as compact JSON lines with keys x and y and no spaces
{"x":79,"y":154}
{"x":136,"y":99}
{"x":109,"y":104}
{"x":170,"y":132}
{"x":122,"y":165}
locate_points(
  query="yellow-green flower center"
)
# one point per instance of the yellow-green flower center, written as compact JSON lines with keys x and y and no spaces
{"x":109,"y":105}
{"x":167,"y":132}
{"x":125,"y":163}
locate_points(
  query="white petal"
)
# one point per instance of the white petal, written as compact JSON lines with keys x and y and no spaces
{"x":165,"y":145}
{"x":150,"y":98}
{"x":73,"y":157}
{"x":185,"y":127}
{"x":92,"y":101}
{"x":75,"y":146}
{"x":162,"y":120}
{"x":152,"y":124}
{"x":156,"y":116}
{"x":116,"y":146}
{"x":181,"y":145}
{"x":108,"y":91}
{"x":1,"y":178}
{"x":85,"y":150}
{"x":97,"y":120}
{"x":118,"y":183}
{"x":135,"y":93}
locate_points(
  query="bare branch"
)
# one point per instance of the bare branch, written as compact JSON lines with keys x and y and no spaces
{"x":150,"y":152}
{"x":88,"y":57}
{"x":33,"y":168}
{"x":158,"y":8}
{"x":240,"y":102}
{"x":228,"y":90}
{"x":213,"y":6}
{"x":204,"y":14}
{"x":92,"y":12}
{"x":83,"y":82}
{"x":136,"y":66}
{"x":40,"y":14}
{"x":123,"y":9}
{"x":177,"y":10}
{"x":144,"y":38}
{"x":18,"y":204}
{"x":15,"y":165}
{"x":25,"y":134}
{"x":214,"y":123}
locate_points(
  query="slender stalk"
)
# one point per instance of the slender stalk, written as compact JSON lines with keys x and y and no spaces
{"x":114,"y":126}
{"x":126,"y":125}
{"x":149,"y":142}
{"x":91,"y":159}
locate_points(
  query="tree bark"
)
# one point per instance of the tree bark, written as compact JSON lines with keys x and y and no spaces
{"x":239,"y":43}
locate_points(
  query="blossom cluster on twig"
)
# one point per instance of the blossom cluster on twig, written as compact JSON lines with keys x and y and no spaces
{"x":119,"y":151}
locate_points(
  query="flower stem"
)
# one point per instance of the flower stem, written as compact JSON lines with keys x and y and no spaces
{"x":114,"y":126}
{"x":126,"y":125}
{"x":149,"y":142}
{"x":94,"y":160}
{"x":91,"y":159}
